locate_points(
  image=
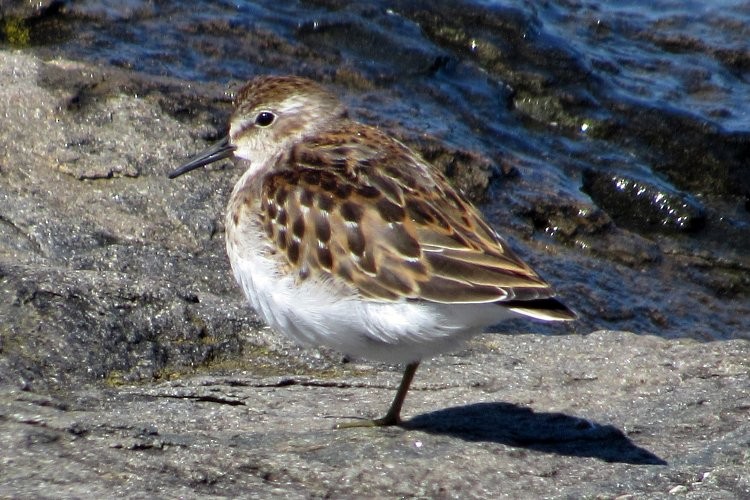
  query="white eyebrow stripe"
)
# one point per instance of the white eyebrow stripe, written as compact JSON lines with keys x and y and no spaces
{"x":292,"y":103}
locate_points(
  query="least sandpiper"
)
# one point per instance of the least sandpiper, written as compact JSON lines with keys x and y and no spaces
{"x":342,"y":236}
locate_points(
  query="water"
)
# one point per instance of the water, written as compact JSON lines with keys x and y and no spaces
{"x":692,"y":55}
{"x":558,"y":91}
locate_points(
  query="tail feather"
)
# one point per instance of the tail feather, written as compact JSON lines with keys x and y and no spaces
{"x":549,"y":309}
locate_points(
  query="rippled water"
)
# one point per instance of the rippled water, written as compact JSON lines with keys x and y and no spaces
{"x":584,"y":97}
{"x":692,"y":55}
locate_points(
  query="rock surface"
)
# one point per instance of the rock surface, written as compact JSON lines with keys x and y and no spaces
{"x":130,"y":365}
{"x":513,"y":417}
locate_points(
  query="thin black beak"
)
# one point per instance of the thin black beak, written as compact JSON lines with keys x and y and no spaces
{"x":222,"y":149}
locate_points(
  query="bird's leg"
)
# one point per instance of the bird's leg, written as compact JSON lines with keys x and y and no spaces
{"x":393,"y":417}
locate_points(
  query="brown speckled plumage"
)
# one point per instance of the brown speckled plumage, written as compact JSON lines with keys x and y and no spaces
{"x":340,"y":235}
{"x":359,"y":205}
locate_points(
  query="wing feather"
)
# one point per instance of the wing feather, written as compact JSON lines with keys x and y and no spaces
{"x":364,"y":211}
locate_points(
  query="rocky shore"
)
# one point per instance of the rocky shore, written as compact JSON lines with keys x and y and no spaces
{"x":130,"y":365}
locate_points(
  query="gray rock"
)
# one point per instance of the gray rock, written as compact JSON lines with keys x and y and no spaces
{"x":95,"y":284}
{"x":602,"y":415}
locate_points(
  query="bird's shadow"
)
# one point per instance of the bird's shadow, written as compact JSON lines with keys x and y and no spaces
{"x":519,"y":426}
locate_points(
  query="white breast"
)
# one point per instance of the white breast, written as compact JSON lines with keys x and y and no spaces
{"x":313,"y":313}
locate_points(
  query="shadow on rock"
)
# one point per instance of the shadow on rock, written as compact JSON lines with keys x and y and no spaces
{"x":521,"y":427}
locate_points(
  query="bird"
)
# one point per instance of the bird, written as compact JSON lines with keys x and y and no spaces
{"x":342,"y":236}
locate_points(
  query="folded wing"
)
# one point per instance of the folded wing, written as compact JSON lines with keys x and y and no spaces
{"x":365,"y":212}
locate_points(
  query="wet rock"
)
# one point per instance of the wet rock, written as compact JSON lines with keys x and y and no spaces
{"x":591,"y":229}
{"x":507,"y":43}
{"x":694,"y":154}
{"x":356,"y":37}
{"x":641,"y":205}
{"x":25,"y":9}
{"x":19,"y":20}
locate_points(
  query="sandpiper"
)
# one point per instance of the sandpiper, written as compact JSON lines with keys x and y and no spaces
{"x":342,"y":236}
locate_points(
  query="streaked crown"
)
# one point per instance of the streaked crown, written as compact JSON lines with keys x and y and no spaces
{"x":273,"y":112}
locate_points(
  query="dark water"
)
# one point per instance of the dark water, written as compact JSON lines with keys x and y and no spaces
{"x":627,"y":121}
{"x":692,"y":55}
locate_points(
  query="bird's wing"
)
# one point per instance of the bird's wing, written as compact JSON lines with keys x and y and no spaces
{"x":364,"y":210}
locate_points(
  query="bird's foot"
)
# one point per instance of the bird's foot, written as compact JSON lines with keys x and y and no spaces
{"x":387,"y":421}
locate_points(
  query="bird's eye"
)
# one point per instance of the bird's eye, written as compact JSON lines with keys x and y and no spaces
{"x":264,"y":118}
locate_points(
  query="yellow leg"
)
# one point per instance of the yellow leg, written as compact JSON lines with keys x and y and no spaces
{"x":393,"y":417}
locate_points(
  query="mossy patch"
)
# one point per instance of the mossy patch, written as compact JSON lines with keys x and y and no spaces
{"x":16,"y":32}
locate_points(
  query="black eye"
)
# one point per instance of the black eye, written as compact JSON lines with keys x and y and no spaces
{"x":264,"y":118}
